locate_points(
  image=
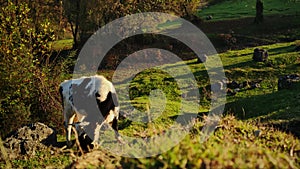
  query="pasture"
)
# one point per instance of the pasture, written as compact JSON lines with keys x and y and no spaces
{"x":234,"y":144}
{"x":237,"y":9}
{"x":259,"y":127}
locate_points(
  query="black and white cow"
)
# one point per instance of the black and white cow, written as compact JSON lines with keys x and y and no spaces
{"x":94,"y":101}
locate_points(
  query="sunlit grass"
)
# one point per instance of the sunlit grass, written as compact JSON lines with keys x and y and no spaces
{"x":234,"y":144}
{"x":64,"y":44}
{"x":235,"y":9}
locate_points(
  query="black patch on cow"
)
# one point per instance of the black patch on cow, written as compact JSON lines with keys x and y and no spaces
{"x":97,"y":95}
{"x":85,"y":142}
{"x":115,"y":124}
{"x":108,"y":104}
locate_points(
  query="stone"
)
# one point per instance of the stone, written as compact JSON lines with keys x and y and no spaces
{"x":29,"y":139}
{"x":288,"y":81}
{"x":260,"y":55}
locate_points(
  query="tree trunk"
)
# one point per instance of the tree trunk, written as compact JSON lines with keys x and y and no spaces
{"x":75,"y":30}
{"x":259,"y":12}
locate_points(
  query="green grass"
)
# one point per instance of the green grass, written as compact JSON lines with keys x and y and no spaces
{"x":233,"y":144}
{"x":239,"y":66}
{"x":235,"y":9}
{"x":62,"y":44}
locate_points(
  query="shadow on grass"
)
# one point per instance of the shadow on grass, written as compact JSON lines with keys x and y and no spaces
{"x":280,"y":50}
{"x":292,"y":126}
{"x":279,"y":109}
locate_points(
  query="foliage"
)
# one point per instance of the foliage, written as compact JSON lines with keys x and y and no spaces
{"x":45,"y":11}
{"x":28,"y":80}
{"x":85,"y":17}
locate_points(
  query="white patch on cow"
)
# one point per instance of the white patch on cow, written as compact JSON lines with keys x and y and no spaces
{"x":92,"y":86}
{"x":110,"y":117}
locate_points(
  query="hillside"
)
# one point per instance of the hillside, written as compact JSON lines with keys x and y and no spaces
{"x":260,"y":124}
{"x":235,"y":143}
{"x":236,"y":18}
{"x":236,"y":9}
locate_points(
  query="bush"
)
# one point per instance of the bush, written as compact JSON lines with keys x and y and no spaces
{"x":28,"y":81}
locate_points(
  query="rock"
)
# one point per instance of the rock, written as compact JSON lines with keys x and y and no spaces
{"x":287,"y":81}
{"x":97,"y":159}
{"x":233,"y":85}
{"x":260,"y":55}
{"x":257,"y":133}
{"x":254,"y":85}
{"x":209,"y":17}
{"x":29,"y":139}
{"x":245,"y":84}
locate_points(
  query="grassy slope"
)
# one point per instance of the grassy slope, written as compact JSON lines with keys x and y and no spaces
{"x":238,"y":65}
{"x":246,"y":8}
{"x":234,"y":144}
{"x":236,"y":17}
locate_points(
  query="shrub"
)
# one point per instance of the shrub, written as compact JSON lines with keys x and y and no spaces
{"x":28,"y":81}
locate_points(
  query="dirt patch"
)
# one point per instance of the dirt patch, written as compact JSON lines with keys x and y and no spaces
{"x":98,"y":158}
{"x":30,"y":139}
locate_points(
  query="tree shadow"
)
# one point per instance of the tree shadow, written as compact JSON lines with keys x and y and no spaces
{"x":281,"y":107}
{"x":284,"y":49}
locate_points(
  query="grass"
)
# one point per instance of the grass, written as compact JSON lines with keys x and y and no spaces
{"x":234,"y":144}
{"x":235,"y":9}
{"x":63,"y":44}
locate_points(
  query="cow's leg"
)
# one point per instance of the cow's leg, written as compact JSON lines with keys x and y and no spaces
{"x":114,"y":125}
{"x":95,"y":142}
{"x":69,"y":122}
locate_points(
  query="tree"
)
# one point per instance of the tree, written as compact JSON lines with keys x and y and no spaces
{"x":42,"y":11}
{"x":85,"y":17}
{"x":259,"y":12}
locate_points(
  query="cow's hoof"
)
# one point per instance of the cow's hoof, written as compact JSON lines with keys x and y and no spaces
{"x":70,"y":144}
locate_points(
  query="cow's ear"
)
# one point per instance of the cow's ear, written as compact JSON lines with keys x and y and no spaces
{"x":97,"y":94}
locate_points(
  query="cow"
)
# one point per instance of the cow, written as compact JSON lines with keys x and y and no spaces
{"x":85,"y":98}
